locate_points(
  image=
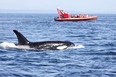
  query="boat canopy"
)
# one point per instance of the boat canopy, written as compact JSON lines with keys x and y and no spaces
{"x":63,"y":14}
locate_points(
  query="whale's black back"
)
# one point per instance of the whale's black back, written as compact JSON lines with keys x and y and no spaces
{"x":51,"y":45}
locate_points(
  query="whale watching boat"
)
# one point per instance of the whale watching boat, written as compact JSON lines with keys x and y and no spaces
{"x":63,"y":16}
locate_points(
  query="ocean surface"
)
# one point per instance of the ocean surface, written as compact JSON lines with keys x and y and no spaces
{"x":95,"y":56}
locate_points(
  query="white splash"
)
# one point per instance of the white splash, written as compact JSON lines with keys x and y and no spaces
{"x":25,"y":47}
{"x":6,"y":45}
{"x":77,"y":47}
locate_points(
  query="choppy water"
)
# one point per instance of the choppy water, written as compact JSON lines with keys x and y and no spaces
{"x":96,"y":59}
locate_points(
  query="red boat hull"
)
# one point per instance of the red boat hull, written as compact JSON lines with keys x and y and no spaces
{"x":91,"y":18}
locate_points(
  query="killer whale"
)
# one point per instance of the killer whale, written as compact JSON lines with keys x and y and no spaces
{"x":43,"y":45}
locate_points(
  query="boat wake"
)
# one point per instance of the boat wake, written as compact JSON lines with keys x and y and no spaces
{"x":8,"y":45}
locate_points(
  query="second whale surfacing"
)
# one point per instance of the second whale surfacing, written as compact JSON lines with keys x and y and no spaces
{"x":43,"y":45}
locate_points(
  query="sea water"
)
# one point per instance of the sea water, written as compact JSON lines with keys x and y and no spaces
{"x":94,"y":55}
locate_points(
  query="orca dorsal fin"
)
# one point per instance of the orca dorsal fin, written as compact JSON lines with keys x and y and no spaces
{"x":21,"y":39}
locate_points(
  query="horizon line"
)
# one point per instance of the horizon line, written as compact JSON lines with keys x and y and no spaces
{"x":50,"y":11}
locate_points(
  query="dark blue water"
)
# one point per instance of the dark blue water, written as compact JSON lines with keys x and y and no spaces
{"x":97,"y":59}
